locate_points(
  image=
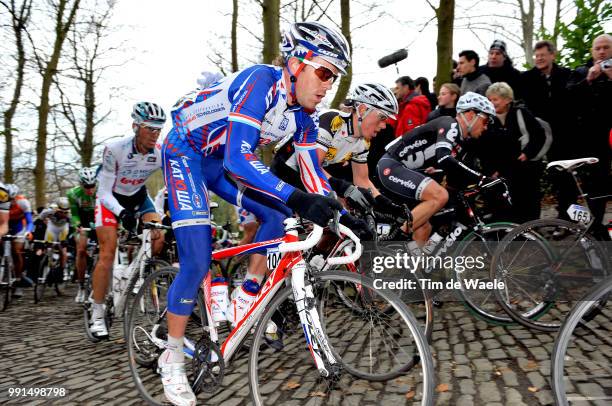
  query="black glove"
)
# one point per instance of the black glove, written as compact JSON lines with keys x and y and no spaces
{"x":316,"y":208}
{"x":359,"y":198}
{"x":386,"y":205}
{"x":128,"y":220}
{"x":339,"y":185}
{"x":358,"y":226}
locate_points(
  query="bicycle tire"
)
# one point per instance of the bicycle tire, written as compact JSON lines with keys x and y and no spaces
{"x":143,"y":363}
{"x":427,"y":368}
{"x":41,"y":279}
{"x":579,"y":313}
{"x":533,"y":318}
{"x":6,"y":283}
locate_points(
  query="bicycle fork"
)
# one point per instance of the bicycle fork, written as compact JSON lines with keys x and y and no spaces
{"x":309,"y":317}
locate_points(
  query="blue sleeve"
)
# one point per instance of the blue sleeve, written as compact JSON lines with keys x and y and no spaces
{"x":304,"y":140}
{"x":29,"y":222}
{"x":251,"y":99}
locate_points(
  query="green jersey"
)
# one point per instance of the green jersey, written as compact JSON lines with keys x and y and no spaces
{"x":81,"y":206}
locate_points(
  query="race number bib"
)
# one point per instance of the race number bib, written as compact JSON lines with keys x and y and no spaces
{"x":273,"y":257}
{"x":579,"y":213}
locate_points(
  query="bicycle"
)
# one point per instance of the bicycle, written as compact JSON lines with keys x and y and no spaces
{"x":126,"y":278}
{"x":50,"y":270}
{"x":7,"y":271}
{"x":543,"y":260}
{"x":332,"y":350}
{"x":581,"y":365}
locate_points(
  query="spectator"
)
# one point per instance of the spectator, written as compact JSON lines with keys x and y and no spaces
{"x":473,"y":80}
{"x":546,"y":97}
{"x":522,"y":173}
{"x":422,"y":86}
{"x":413,"y":107}
{"x":499,"y":68}
{"x":447,"y":100}
{"x":590,"y":98}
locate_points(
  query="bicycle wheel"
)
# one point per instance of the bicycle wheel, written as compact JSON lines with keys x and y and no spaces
{"x":147,"y":333}
{"x":41,"y":280}
{"x":369,"y":345}
{"x":546,"y":266}
{"x":5,"y":283}
{"x":134,"y":284}
{"x":582,"y":359}
{"x":482,"y":243}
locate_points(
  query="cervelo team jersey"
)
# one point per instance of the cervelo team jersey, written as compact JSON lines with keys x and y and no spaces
{"x":124,"y":171}
{"x":55,"y":217}
{"x":234,"y":116}
{"x":81,"y":205}
{"x":335,"y":138}
{"x":433,"y":144}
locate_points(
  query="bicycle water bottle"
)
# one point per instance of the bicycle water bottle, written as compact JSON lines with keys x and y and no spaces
{"x":219,"y":299}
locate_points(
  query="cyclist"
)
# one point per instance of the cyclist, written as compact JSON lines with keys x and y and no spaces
{"x":20,"y":224}
{"x":428,"y":147}
{"x":57,"y":219}
{"x":127,"y":164}
{"x":344,"y":137}
{"x":5,"y":206}
{"x":212,"y":145}
{"x":248,"y":223}
{"x":82,"y":203}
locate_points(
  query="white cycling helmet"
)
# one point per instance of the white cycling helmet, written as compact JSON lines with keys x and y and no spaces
{"x":377,"y":96}
{"x":63,"y":203}
{"x":320,"y":40}
{"x":87,"y":176}
{"x":13,"y":190}
{"x":148,"y":113}
{"x":476,"y":102}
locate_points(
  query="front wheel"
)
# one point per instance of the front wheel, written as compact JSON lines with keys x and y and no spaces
{"x":41,"y":279}
{"x":5,"y":283}
{"x":369,"y":343}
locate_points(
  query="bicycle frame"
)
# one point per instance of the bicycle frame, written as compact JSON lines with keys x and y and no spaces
{"x":7,"y":254}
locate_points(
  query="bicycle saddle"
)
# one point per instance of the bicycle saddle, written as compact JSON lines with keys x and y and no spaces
{"x":571,"y":163}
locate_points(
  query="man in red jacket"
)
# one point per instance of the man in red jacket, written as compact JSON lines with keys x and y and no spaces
{"x":413,"y":107}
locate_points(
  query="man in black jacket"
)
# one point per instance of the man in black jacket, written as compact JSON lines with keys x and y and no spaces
{"x":546,"y":97}
{"x":499,"y":68}
{"x":590,"y":97}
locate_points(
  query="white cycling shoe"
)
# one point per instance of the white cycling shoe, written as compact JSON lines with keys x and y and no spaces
{"x":98,"y":328}
{"x":174,"y":378}
{"x":80,"y":296}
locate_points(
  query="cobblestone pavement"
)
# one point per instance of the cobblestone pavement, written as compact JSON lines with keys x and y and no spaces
{"x":45,"y":346}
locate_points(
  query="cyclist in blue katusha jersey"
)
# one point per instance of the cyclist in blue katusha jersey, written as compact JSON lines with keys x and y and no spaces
{"x":216,"y":131}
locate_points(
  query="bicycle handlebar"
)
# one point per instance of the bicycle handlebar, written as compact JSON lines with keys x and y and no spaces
{"x":157,"y":226}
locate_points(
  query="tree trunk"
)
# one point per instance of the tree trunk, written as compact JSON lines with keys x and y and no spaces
{"x":271,"y":34}
{"x":527,"y":17}
{"x":49,"y":71}
{"x":235,"y":36}
{"x":557,"y":27}
{"x":90,"y":109}
{"x":19,"y":20}
{"x":345,"y":80}
{"x":445,"y":14}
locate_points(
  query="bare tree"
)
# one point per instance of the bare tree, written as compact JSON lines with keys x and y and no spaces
{"x":20,"y":17}
{"x":527,"y":10}
{"x":234,"y":35}
{"x":445,"y":14}
{"x":271,"y":33}
{"x":64,"y":14}
{"x":345,"y":81}
{"x":87,"y":68}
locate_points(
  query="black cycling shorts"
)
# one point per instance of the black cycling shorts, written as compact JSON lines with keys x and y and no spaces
{"x":400,"y":181}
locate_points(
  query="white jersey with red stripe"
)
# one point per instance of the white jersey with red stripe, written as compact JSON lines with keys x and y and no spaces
{"x":124,"y":171}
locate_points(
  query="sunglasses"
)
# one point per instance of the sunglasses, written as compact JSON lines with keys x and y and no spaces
{"x":322,"y":72}
{"x":89,"y":186}
{"x":151,"y":129}
{"x":486,"y":117}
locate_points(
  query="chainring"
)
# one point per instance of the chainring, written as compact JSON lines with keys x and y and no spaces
{"x":207,"y":375}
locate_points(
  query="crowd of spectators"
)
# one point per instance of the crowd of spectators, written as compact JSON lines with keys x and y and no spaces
{"x":572,"y":106}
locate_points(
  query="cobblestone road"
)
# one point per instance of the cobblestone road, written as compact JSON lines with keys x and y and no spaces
{"x":44,"y":346}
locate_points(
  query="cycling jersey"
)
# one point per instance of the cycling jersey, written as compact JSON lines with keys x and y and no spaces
{"x":55,"y":217}
{"x":20,"y":216}
{"x":212,"y":145}
{"x":81,"y":207}
{"x":433,"y":144}
{"x":5,"y":201}
{"x":124,"y":171}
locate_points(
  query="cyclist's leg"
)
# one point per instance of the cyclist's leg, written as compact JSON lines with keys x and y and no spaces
{"x":249,"y":225}
{"x":408,"y":184}
{"x":81,"y":255}
{"x":19,"y":230}
{"x":62,"y":235}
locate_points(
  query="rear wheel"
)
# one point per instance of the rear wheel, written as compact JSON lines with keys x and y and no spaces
{"x":5,"y":283}
{"x":41,"y":279}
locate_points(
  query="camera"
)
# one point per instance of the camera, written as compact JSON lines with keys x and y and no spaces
{"x":606,"y":64}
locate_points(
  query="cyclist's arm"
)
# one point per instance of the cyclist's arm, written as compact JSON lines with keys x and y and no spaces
{"x":75,"y":218}
{"x":4,"y":220}
{"x":26,"y":208}
{"x":309,"y":159}
{"x":243,"y":133}
{"x":449,"y":164}
{"x":361,"y":177}
{"x":107,"y":178}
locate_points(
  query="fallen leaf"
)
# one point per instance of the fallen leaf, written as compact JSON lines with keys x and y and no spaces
{"x":410,"y":394}
{"x":443,"y":387}
{"x":318,"y":394}
{"x":292,"y":385}
{"x":532,"y":364}
{"x":498,"y":373}
{"x":532,"y":389}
